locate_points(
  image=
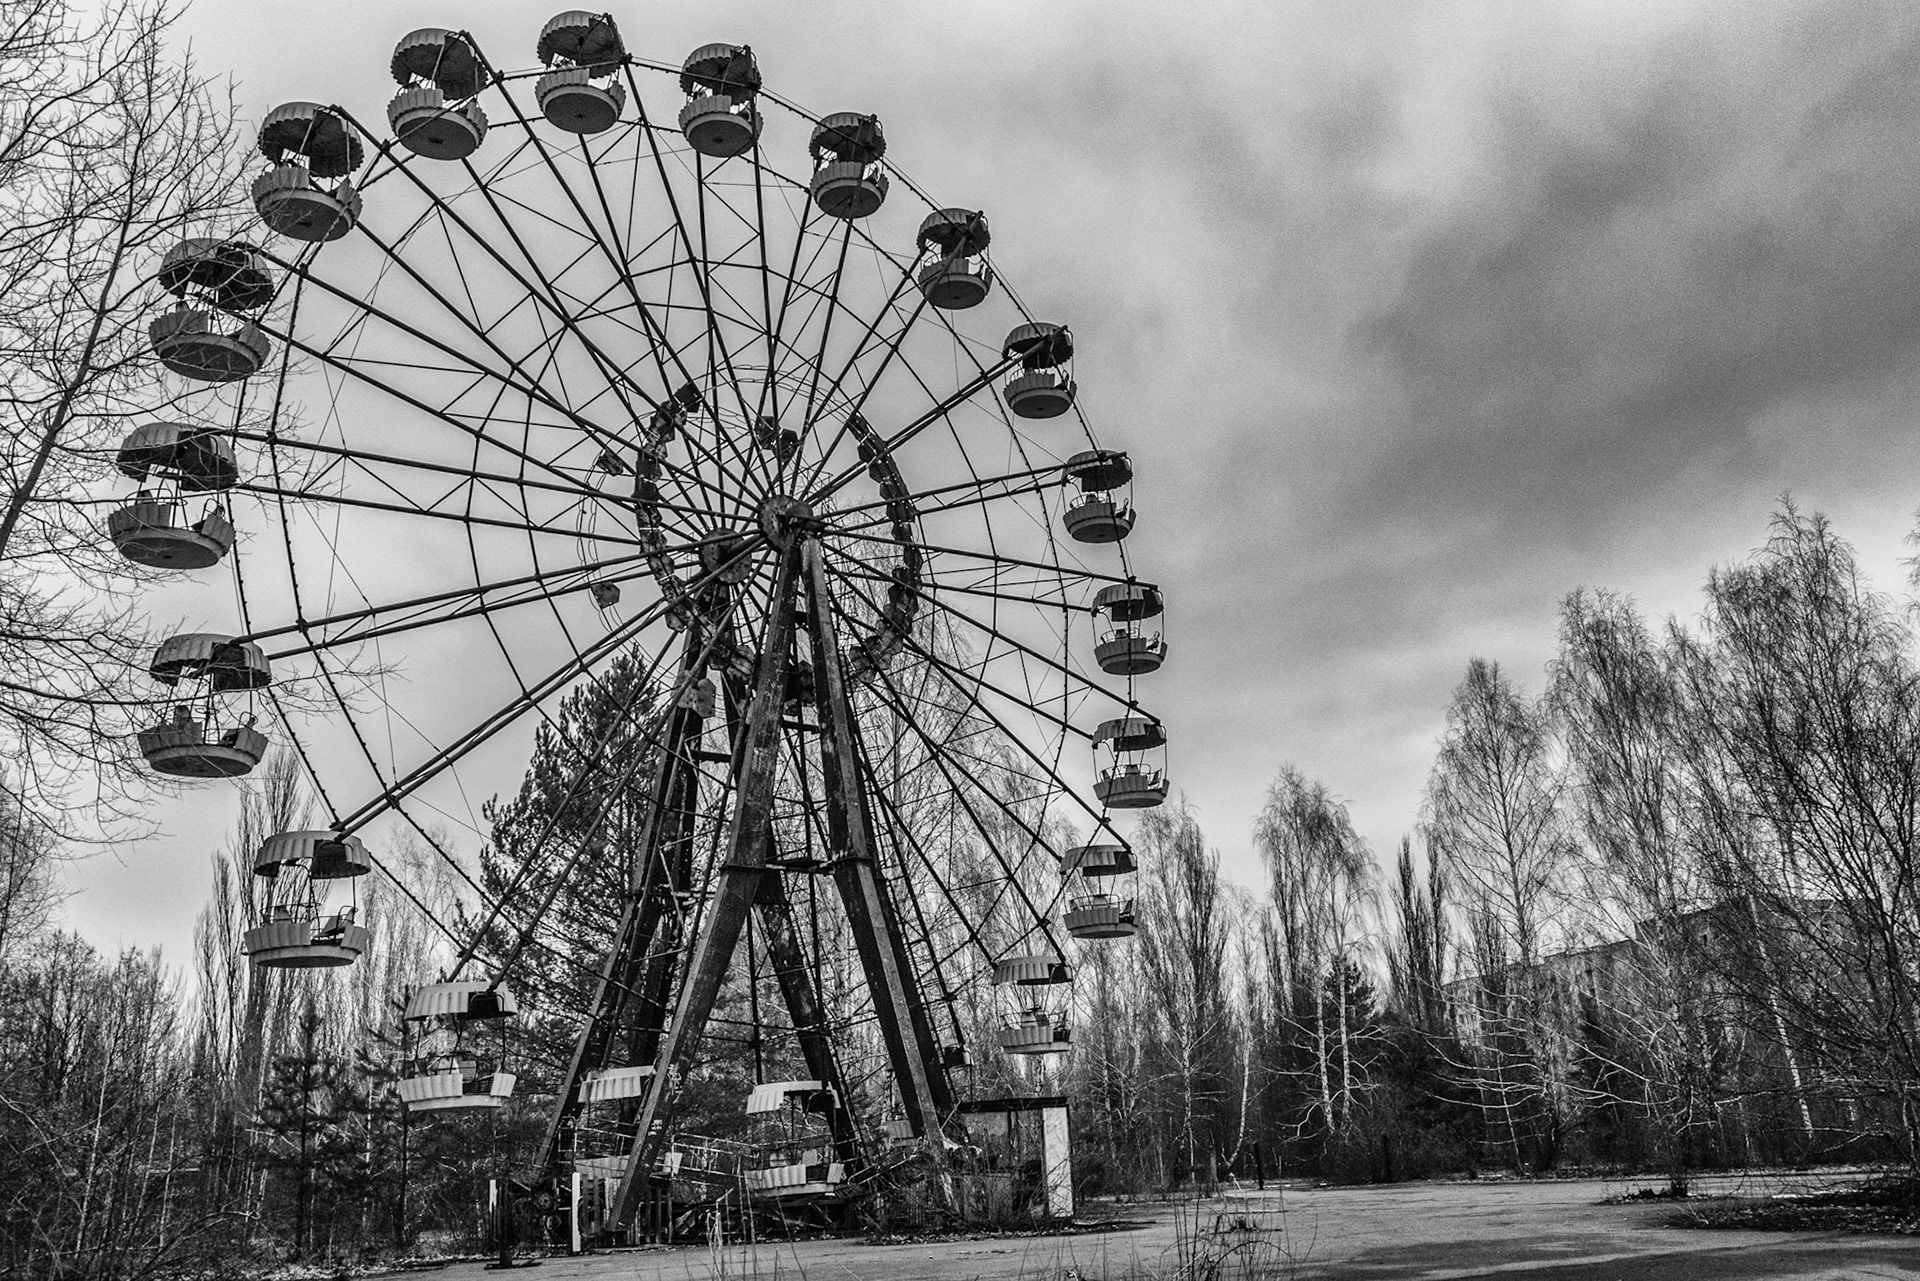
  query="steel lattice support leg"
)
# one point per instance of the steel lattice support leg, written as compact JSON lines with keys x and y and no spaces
{"x":781,"y":934}
{"x":897,"y":1003}
{"x":736,"y":887}
{"x":667,"y":827}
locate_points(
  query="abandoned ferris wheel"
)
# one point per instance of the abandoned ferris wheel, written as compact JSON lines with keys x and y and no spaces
{"x":613,"y":357}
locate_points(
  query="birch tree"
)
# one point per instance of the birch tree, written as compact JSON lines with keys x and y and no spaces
{"x":1493,"y":813}
{"x":1803,"y":701}
{"x":1320,"y":884}
{"x":1183,"y":951}
{"x":1616,"y":705}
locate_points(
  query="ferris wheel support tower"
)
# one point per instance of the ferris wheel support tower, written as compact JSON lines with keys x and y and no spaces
{"x":747,"y":883}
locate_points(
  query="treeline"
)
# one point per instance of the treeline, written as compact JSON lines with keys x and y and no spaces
{"x":155,"y":1124}
{"x":1660,"y":916}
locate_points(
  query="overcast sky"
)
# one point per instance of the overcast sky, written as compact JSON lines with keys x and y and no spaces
{"x":1413,"y":316}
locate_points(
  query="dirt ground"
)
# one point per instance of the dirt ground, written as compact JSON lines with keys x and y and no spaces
{"x":1521,"y":1231}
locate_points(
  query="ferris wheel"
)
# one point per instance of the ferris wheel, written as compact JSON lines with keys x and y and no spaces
{"x":613,"y":361}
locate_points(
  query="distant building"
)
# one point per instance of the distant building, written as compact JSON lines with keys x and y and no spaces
{"x":1594,"y":1054}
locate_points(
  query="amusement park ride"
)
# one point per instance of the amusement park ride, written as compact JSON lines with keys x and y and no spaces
{"x":502,"y":393}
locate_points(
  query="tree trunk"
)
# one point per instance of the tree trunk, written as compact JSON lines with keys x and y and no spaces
{"x":1346,"y":1056}
{"x":1325,"y":1068}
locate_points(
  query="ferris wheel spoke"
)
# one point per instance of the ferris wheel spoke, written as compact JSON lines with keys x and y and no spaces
{"x":972,"y":387}
{"x":771,"y":323}
{"x":478,"y":592}
{"x":966,"y":686}
{"x":529,"y":385}
{"x":447,"y":757}
{"x":330,"y":499}
{"x":701,"y":262}
{"x":825,"y":396}
{"x":547,"y":293}
{"x":539,"y":586}
{"x":752,"y":626}
{"x":994,"y":558}
{"x":366,"y":459}
{"x":393,"y":878}
{"x":657,"y":330}
{"x":546,"y":593}
{"x":331,"y":680}
{"x":959,"y":504}
{"x":549,"y":597}
{"x":830,"y":293}
{"x":651,"y":735}
{"x":900,"y":828}
{"x":528,"y":700}
{"x":989,"y":839}
{"x":362,"y":371}
{"x":965,"y":493}
{"x":980,"y":627}
{"x":698,"y":260}
{"x":958,"y":677}
{"x":367,"y":464}
{"x":620,"y":380}
{"x":889,"y":347}
{"x":658,"y":339}
{"x":773,"y":470}
{"x":585,"y":225}
{"x":999,"y":596}
{"x":769,"y":391}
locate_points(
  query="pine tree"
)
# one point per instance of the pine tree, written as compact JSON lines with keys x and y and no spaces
{"x":391,"y":1160}
{"x":564,"y":840}
{"x":311,"y":1113}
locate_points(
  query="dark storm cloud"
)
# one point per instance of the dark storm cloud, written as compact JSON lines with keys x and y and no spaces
{"x":1652,"y":257}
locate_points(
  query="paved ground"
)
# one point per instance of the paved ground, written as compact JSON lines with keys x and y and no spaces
{"x":1557,"y":1231}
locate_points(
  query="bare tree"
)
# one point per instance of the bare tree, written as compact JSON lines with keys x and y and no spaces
{"x":29,"y":886}
{"x":1616,"y":706}
{"x":111,"y":150}
{"x":1183,"y":951}
{"x":1419,"y":940}
{"x":1803,"y":727}
{"x":1493,"y":814}
{"x":1110,"y":1075}
{"x":1493,"y":807}
{"x":1320,"y":880}
{"x":245,"y":1013}
{"x":94,"y":1128}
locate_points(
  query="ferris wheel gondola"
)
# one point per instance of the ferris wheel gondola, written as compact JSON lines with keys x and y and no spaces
{"x":305,"y":926}
{"x":174,"y":463}
{"x":454,"y":1065}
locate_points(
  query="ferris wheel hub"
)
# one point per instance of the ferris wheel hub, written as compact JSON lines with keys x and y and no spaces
{"x":784,"y":518}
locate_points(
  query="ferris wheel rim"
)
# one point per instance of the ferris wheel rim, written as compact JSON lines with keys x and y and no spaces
{"x":851,"y":554}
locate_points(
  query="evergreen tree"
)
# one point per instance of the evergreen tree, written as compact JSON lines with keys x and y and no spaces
{"x":564,"y":839}
{"x":392,"y":1164}
{"x":311,"y":1117}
